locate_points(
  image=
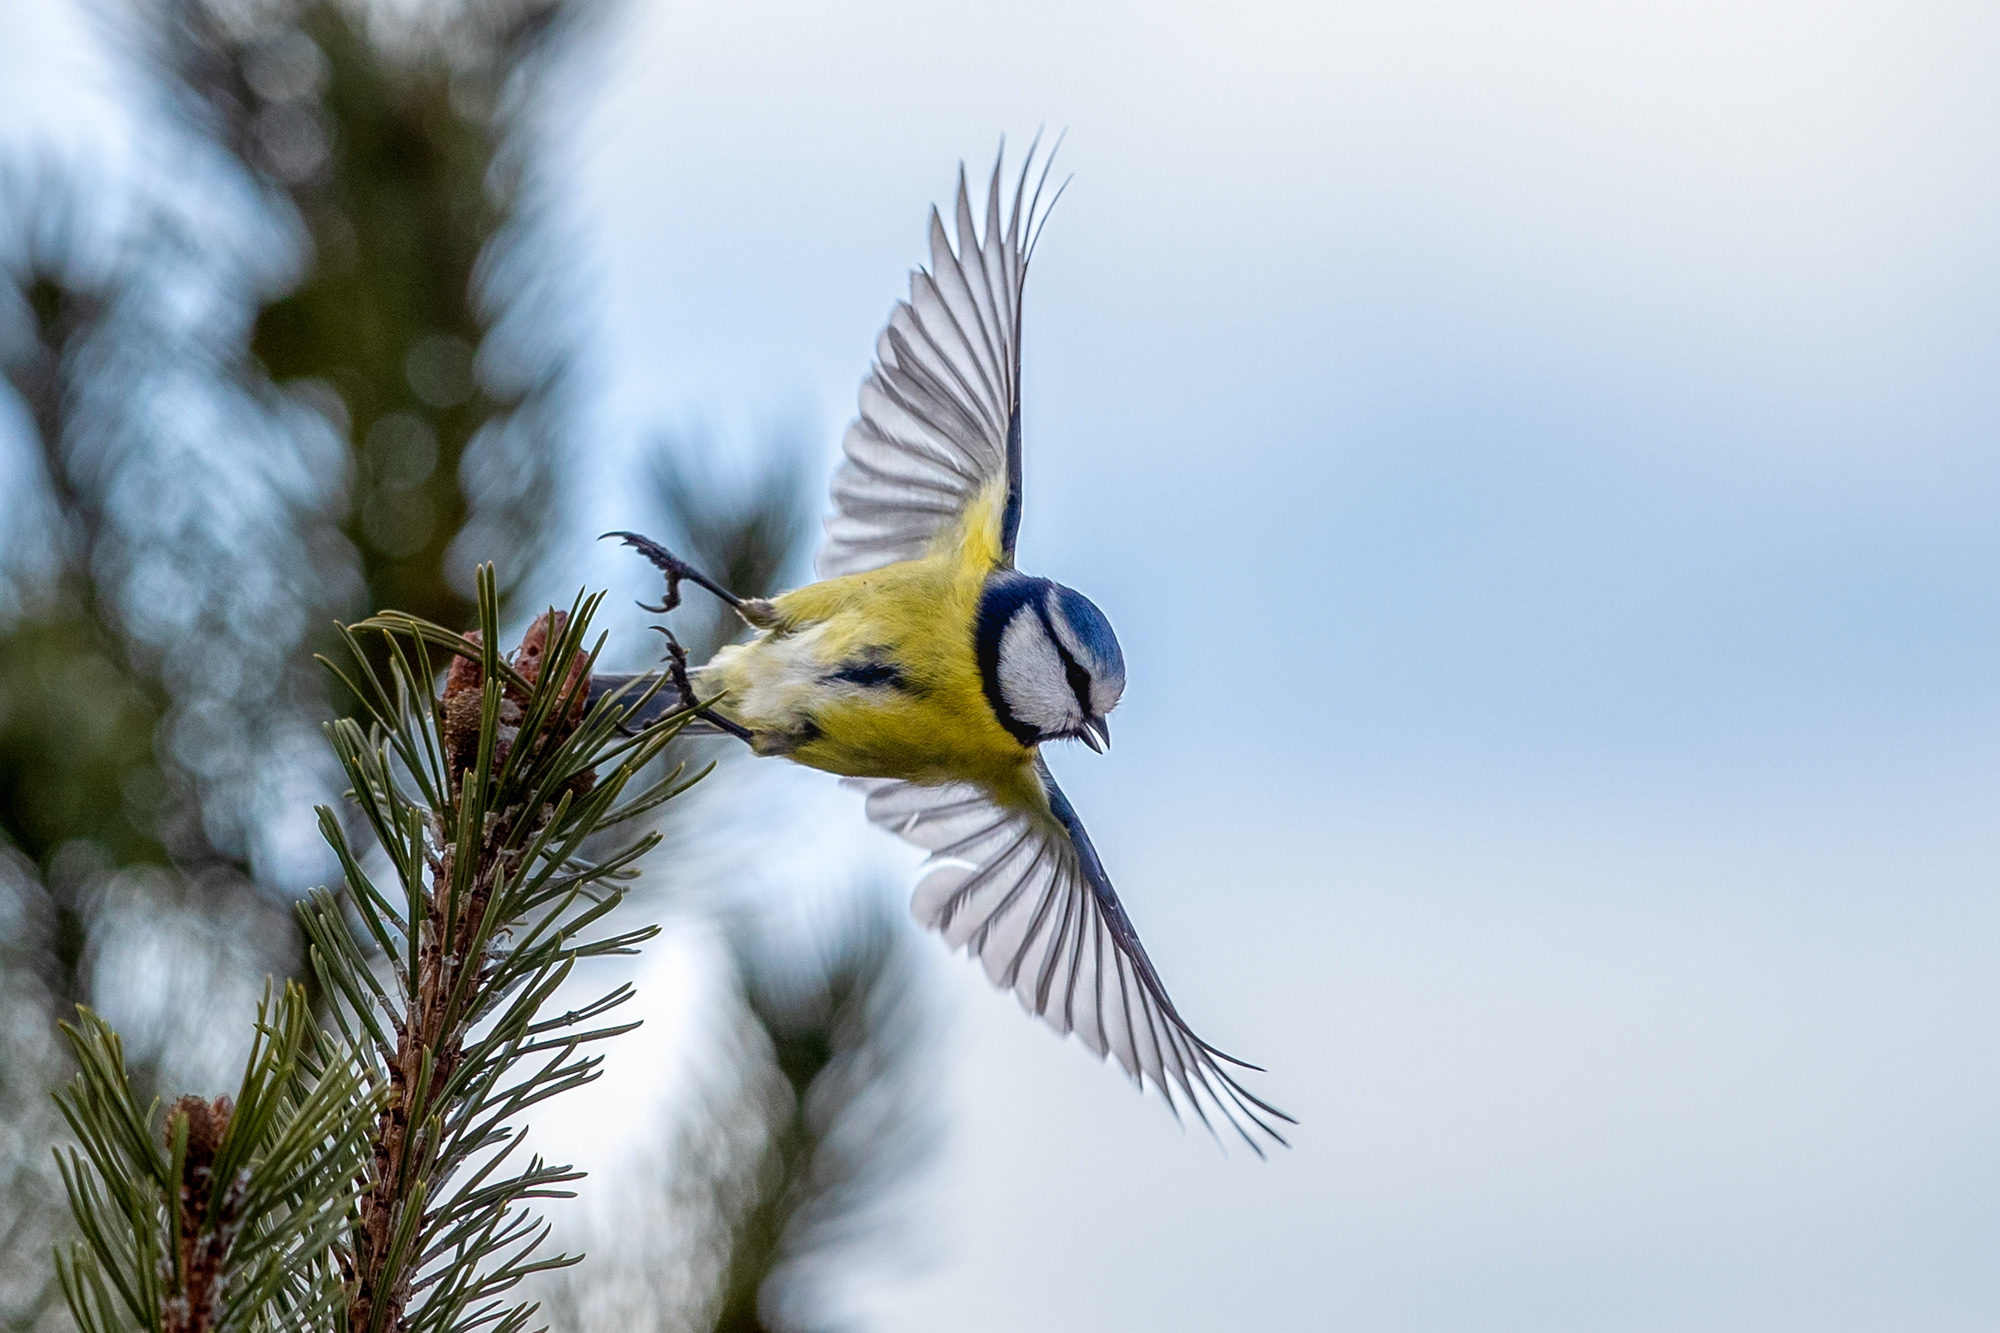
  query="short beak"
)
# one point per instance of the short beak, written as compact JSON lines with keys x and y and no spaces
{"x":1097,"y":734}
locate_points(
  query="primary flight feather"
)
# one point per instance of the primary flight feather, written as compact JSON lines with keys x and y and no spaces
{"x":928,"y":671}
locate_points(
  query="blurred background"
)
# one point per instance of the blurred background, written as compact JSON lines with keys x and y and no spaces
{"x":1542,"y":463}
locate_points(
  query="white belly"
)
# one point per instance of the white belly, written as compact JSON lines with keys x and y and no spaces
{"x":775,"y":683}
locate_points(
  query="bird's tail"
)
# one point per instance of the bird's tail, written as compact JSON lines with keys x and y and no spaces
{"x":664,"y":700}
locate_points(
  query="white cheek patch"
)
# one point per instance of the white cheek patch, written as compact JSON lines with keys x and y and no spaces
{"x":1033,"y":680}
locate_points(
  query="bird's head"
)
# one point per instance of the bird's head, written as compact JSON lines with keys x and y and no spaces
{"x":1050,"y":663}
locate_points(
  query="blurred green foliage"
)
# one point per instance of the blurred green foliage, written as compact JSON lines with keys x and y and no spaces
{"x":847,"y":1123}
{"x":389,"y":164}
{"x":384,"y":151}
{"x":70,"y":710}
{"x":164,"y":568}
{"x":229,"y":436}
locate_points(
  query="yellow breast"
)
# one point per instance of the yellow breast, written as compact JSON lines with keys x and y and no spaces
{"x":876,"y":675}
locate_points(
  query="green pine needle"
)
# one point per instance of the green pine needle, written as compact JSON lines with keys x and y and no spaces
{"x":367,"y":1174}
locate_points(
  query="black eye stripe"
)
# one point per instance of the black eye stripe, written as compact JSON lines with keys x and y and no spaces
{"x":1079,"y":679}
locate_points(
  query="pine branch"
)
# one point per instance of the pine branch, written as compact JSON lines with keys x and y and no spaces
{"x":484,"y":802}
{"x":227,"y":1217}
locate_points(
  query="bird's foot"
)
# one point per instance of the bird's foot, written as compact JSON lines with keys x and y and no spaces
{"x":677,"y":672}
{"x":675,"y":569}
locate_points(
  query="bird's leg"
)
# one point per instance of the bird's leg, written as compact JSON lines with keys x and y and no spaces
{"x":756,"y":610}
{"x":677,"y":672}
{"x":677,"y":569}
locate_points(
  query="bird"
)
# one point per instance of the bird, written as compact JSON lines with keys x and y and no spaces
{"x":929,"y":672}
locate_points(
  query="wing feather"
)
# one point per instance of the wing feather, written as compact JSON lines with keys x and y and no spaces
{"x":1025,"y":894}
{"x":940,"y":409}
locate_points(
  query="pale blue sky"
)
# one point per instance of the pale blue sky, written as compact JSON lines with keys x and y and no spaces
{"x":1541,"y":462}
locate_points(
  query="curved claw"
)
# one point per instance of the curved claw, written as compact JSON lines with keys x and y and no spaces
{"x":674,"y":568}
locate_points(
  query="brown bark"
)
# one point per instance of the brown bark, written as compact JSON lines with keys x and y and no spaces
{"x":203,"y":1248}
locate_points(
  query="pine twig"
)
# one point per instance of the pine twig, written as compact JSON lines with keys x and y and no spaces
{"x":484,"y":801}
{"x":227,"y":1217}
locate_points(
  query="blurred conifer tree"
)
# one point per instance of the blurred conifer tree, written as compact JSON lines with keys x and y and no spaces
{"x":88,"y":787}
{"x":386,"y":144}
{"x":342,"y":455}
{"x":846,"y":1126}
{"x":390,"y":136}
{"x":180,"y":533}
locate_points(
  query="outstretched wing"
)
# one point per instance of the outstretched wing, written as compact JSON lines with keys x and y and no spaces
{"x":1027,"y":895}
{"x":940,"y":419}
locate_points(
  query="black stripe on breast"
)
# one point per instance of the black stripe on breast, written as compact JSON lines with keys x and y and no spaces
{"x":875,"y":668}
{"x":871,"y":673}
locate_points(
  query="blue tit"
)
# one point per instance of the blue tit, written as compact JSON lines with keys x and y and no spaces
{"x":929,"y":672}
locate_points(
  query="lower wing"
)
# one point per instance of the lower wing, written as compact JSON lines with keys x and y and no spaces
{"x":1027,"y":895}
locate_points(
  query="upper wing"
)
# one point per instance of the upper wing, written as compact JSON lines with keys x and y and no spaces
{"x":1028,"y":895}
{"x":941,"y":408}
